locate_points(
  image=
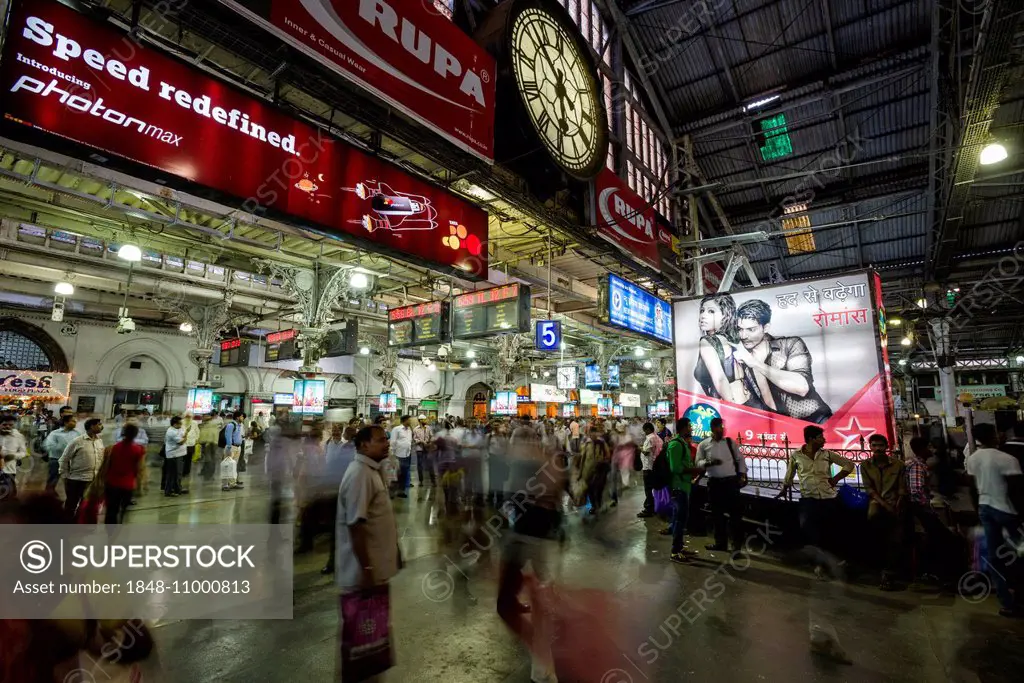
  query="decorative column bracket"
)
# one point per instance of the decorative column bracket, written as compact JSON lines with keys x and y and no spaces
{"x":207,"y":321}
{"x":316,"y":290}
{"x":509,"y":358}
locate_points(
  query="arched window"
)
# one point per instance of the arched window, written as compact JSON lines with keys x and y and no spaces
{"x":27,"y":347}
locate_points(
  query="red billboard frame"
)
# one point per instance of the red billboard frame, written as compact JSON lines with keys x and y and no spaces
{"x":68,"y":75}
{"x":406,"y":52}
{"x":625,"y":219}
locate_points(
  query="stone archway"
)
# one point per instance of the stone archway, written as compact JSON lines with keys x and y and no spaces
{"x":478,"y":397}
{"x":36,"y":335}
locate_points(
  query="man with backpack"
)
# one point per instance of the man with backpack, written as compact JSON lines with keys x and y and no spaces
{"x":230,"y":439}
{"x":727,"y":475}
{"x":681,"y":472}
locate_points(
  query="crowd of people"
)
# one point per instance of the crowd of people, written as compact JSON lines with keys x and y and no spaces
{"x":348,"y":479}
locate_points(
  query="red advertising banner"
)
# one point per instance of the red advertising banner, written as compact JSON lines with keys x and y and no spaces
{"x":89,"y":83}
{"x":625,"y":219}
{"x":407,"y":52}
{"x":772,"y":360}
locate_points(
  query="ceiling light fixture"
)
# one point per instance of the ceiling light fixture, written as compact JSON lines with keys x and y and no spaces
{"x":474,"y":365}
{"x":906,"y":341}
{"x":1019,"y":359}
{"x":364,"y":350}
{"x":547,"y":374}
{"x":471,"y":354}
{"x":757,"y":104}
{"x":358,"y":281}
{"x":64,"y":288}
{"x":185,"y":327}
{"x":562,"y":346}
{"x":992,"y":153}
{"x":921,"y":303}
{"x":638,"y":352}
{"x":130,"y":253}
{"x":647,"y":365}
{"x":903,"y":361}
{"x":432,"y":367}
{"x":632,"y":385}
{"x":895,"y":322}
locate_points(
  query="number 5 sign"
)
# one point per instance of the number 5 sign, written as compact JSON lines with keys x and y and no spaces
{"x":549,"y":335}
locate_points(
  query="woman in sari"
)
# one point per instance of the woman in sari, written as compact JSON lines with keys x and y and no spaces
{"x":715,"y":370}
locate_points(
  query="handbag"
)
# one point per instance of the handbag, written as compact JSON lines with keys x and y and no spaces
{"x":365,"y":634}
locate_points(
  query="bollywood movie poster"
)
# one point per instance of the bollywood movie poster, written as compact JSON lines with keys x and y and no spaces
{"x":772,"y":360}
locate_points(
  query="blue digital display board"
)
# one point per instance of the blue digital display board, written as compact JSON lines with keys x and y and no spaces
{"x":613,"y":376}
{"x":632,"y":308}
{"x":592,"y":376}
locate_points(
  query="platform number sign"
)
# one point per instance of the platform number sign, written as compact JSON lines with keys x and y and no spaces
{"x":549,"y":335}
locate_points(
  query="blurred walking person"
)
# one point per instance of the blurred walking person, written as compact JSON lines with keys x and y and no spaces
{"x":13,"y":450}
{"x":124,"y":462}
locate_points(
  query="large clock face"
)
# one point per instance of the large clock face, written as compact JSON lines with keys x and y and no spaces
{"x":560,"y":94}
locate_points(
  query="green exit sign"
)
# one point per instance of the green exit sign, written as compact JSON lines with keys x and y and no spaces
{"x":773,"y":137}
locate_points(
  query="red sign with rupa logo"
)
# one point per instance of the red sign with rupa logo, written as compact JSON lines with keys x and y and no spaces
{"x":407,"y":52}
{"x":89,"y":83}
{"x":626,"y":219}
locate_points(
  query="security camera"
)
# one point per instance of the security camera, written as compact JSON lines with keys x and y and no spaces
{"x":125,"y":325}
{"x":443,"y":351}
{"x":427,"y":361}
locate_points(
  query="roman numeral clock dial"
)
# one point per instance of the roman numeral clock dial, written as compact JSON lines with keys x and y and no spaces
{"x":558,"y":89}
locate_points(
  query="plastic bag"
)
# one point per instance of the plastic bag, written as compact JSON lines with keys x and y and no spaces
{"x":853,"y":498}
{"x":365,"y":634}
{"x":662,"y":501}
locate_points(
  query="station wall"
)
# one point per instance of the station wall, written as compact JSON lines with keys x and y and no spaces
{"x":101,"y":360}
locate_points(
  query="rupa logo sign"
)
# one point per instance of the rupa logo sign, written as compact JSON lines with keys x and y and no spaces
{"x":625,"y":218}
{"x":407,"y":52}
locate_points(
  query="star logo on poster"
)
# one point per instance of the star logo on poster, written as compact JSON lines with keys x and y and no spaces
{"x":852,"y":433}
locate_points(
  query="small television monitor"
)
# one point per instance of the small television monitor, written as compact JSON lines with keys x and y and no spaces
{"x":617,"y":410}
{"x":388,"y":403}
{"x":506,"y":403}
{"x":284,"y":399}
{"x":199,"y":401}
{"x":592,"y":376}
{"x":604,"y":407}
{"x":613,"y":376}
{"x":663,"y":409}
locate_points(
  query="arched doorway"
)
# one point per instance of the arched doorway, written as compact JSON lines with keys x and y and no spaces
{"x":139,"y":384}
{"x":478,"y":399}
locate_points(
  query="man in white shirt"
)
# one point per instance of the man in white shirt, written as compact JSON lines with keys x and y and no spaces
{"x":191,"y":427}
{"x":79,"y":464}
{"x":54,"y":445}
{"x":12,"y":451}
{"x":175,"y":450}
{"x":367,"y":537}
{"x":727,"y":475}
{"x":997,"y":488}
{"x":401,"y":448}
{"x":650,"y":449}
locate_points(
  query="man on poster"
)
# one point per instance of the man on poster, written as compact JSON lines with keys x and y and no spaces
{"x":777,"y":369}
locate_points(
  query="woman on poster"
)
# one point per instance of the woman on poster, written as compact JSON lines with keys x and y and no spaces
{"x":715,"y":370}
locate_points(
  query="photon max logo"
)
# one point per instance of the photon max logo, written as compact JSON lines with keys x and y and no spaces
{"x":84,"y":104}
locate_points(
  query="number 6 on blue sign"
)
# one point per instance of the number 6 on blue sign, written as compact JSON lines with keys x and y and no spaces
{"x":549,"y":335}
